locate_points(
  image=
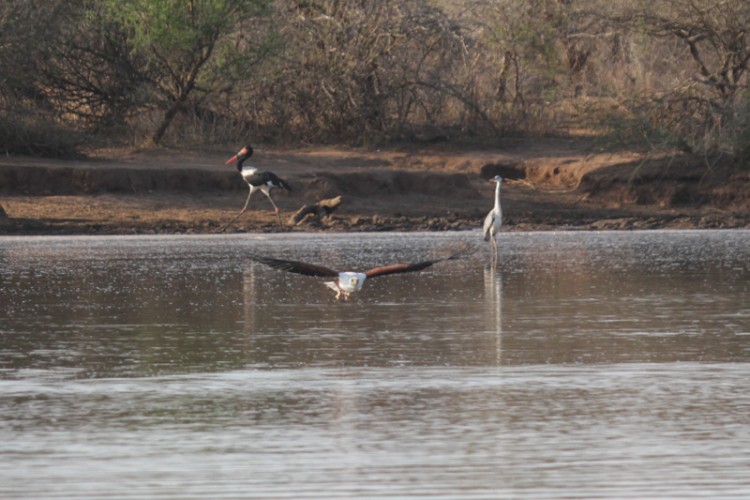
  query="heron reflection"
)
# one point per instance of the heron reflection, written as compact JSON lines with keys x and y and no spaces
{"x":493,"y":302}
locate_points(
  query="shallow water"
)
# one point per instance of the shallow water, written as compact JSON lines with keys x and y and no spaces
{"x":587,"y":365}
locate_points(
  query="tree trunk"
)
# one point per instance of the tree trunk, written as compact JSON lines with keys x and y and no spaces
{"x":186,"y":86}
{"x":167,"y":121}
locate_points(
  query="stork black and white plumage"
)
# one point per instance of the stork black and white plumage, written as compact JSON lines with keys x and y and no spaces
{"x":494,"y":220}
{"x":257,"y":180}
{"x":347,"y":282}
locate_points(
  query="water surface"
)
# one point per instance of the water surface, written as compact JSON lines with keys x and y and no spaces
{"x":586,"y":365}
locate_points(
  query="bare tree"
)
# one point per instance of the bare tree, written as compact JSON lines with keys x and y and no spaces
{"x":360,"y":72}
{"x":371,"y":71}
{"x":709,"y":46}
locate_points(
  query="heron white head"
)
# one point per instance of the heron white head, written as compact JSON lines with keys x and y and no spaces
{"x":497,"y":179}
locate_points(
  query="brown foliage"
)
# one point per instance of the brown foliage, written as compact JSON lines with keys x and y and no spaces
{"x":375,"y":71}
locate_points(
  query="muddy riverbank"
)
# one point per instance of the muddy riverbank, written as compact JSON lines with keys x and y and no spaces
{"x":549,"y":184}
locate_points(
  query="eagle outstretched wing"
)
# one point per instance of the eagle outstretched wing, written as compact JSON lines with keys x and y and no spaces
{"x":409,"y":268}
{"x":293,"y":266}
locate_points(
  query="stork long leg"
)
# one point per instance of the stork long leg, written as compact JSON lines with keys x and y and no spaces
{"x":275,"y":208}
{"x":247,"y":203}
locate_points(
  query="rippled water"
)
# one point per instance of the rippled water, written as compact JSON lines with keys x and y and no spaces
{"x":588,"y":365}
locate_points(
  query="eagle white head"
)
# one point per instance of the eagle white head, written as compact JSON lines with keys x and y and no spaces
{"x":347,"y":282}
{"x":351,"y":282}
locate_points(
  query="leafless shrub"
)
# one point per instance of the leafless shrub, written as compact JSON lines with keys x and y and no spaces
{"x":361,"y":72}
{"x":665,"y":73}
{"x":697,"y":55}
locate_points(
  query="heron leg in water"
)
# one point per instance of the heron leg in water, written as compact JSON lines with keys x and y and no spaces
{"x":494,"y":251}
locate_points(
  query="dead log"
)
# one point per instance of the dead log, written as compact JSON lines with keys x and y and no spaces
{"x":322,"y":208}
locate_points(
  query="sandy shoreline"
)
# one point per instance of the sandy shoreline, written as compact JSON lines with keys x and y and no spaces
{"x":557,"y":185}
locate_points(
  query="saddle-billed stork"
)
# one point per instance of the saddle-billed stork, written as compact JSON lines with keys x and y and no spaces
{"x":257,"y":180}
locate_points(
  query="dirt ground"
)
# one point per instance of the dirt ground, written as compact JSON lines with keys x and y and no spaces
{"x":550,"y":184}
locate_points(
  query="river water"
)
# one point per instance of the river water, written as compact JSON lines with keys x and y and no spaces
{"x":587,"y":365}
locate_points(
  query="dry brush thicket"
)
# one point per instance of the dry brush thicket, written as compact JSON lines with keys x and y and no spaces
{"x":656,"y":74}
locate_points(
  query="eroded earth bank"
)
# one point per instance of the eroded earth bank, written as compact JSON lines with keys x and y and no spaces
{"x":549,"y":184}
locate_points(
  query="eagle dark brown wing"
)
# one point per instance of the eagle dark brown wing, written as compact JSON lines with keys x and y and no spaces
{"x":397,"y":268}
{"x":293,"y":266}
{"x":408,"y":268}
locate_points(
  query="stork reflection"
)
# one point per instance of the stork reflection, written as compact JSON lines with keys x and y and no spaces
{"x":250,"y":312}
{"x":249,"y":298}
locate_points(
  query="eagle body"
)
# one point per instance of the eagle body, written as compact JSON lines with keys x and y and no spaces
{"x":347,"y":283}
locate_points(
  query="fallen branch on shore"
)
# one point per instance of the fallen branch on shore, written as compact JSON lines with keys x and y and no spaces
{"x":323,"y":208}
{"x":4,"y":219}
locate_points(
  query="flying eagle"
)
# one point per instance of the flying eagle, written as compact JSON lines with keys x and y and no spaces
{"x":348,"y":282}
